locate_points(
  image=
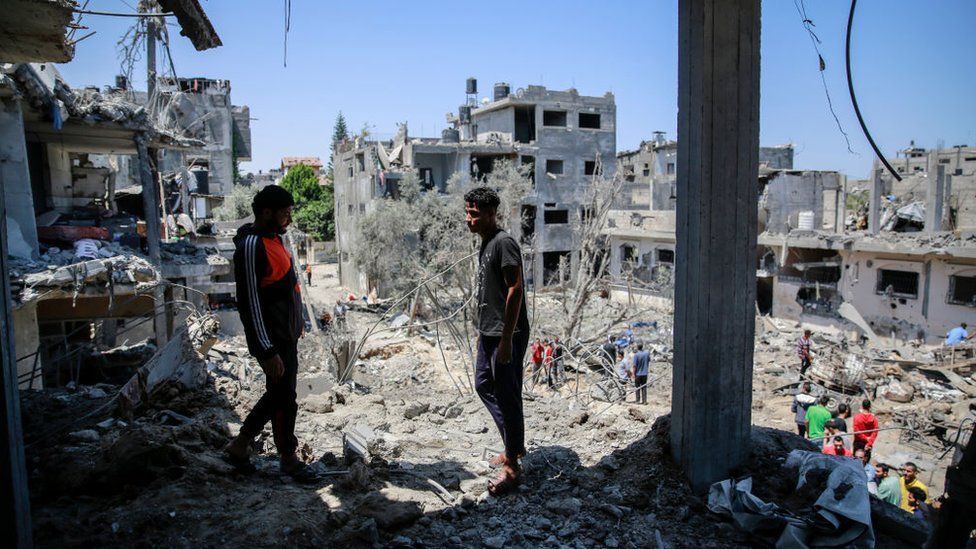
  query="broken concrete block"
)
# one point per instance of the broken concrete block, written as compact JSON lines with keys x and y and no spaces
{"x":319,"y":404}
{"x":360,"y":442}
{"x":565,"y":506}
{"x":415,"y":409}
{"x":85,"y":435}
{"x":898,"y":391}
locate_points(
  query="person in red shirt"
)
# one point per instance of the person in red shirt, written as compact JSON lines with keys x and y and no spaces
{"x":537,"y":351}
{"x":837,"y":448}
{"x":865,"y":421}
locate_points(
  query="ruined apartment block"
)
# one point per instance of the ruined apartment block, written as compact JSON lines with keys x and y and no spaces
{"x":202,"y":109}
{"x":897,"y":257}
{"x":565,"y":137}
{"x":649,"y":173}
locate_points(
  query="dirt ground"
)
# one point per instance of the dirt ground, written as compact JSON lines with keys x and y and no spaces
{"x":597,"y":473}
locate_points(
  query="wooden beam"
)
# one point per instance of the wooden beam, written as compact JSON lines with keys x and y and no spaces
{"x":717,"y":203}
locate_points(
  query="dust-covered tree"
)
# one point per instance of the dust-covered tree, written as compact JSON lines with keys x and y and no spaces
{"x":237,"y":205}
{"x":590,"y":228}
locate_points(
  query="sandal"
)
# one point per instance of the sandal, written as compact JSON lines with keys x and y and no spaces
{"x":502,"y":484}
{"x":302,"y":474}
{"x":241,"y":465}
{"x":500,"y":459}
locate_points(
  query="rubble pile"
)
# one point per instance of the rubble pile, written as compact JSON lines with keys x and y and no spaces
{"x":402,"y":450}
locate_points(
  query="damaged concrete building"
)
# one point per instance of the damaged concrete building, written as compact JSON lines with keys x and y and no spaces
{"x":649,"y":172}
{"x":563,"y":139}
{"x":901,"y":254}
{"x":77,"y":240}
{"x":904,"y":265}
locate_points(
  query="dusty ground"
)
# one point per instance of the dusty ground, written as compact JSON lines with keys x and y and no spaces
{"x":597,"y":473}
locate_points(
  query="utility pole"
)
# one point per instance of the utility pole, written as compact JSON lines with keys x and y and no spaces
{"x":147,"y":6}
{"x":147,"y":175}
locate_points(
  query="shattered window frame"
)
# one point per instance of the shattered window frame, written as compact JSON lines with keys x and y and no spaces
{"x":891,"y":279}
{"x":951,"y":295}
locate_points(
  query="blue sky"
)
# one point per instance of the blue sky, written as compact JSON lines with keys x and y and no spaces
{"x":383,"y":62}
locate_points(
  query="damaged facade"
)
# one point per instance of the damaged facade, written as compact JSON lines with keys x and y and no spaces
{"x":904,"y":264}
{"x":77,"y":225}
{"x":649,"y":173}
{"x":563,"y":138}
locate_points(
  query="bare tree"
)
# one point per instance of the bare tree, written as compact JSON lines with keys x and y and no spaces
{"x":594,"y":257}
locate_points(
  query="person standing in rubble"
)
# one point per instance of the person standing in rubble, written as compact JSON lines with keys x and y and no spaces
{"x":557,"y":361}
{"x":270,"y":305}
{"x":803,"y":346}
{"x":801,"y":402}
{"x":308,"y":273}
{"x":503,"y":332}
{"x":865,"y":429}
{"x":639,"y":370}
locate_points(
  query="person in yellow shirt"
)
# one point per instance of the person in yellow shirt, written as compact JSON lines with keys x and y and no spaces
{"x":909,"y":479}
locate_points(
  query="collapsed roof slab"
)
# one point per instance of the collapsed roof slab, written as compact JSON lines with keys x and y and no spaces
{"x":194,"y":23}
{"x":34,"y":30}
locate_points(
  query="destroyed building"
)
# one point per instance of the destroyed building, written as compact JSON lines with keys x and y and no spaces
{"x":564,"y":138}
{"x":903,"y":261}
{"x":649,"y":173}
{"x":904,"y":265}
{"x":76,"y":236}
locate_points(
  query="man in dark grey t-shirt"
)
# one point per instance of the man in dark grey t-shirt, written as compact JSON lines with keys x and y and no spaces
{"x":503,"y":332}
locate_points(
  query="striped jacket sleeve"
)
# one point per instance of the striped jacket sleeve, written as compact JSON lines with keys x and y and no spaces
{"x":250,"y":262}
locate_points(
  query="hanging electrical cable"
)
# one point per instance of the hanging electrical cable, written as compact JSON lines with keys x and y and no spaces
{"x":850,"y":88}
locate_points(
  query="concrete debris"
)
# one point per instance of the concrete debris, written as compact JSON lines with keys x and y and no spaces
{"x":415,"y":448}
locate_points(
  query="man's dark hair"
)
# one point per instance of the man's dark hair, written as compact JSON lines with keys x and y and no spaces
{"x":866,"y":404}
{"x":919,"y":494}
{"x":806,"y":386}
{"x":824,"y":400}
{"x":962,"y":325}
{"x":885,"y":467}
{"x":640,"y":346}
{"x":842,"y":408}
{"x":273,"y":198}
{"x":839,"y":439}
{"x":484,"y":198}
{"x":807,"y":332}
{"x":912,"y":465}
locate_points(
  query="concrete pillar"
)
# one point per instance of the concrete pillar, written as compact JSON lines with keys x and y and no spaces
{"x":715,"y":291}
{"x":935,"y":199}
{"x":14,"y":173}
{"x":150,"y":203}
{"x":842,"y":206}
{"x":15,"y":519}
{"x":874,"y":205}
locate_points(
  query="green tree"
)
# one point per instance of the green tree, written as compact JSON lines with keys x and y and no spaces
{"x":313,"y":212}
{"x":303,"y":184}
{"x":339,"y":132}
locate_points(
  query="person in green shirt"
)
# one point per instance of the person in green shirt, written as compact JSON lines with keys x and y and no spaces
{"x":817,"y":416}
{"x":889,"y":486}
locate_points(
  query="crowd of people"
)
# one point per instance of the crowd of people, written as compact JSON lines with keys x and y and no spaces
{"x":815,"y":420}
{"x":547,"y":362}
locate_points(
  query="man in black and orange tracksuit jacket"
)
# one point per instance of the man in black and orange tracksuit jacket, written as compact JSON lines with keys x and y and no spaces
{"x":270,"y":305}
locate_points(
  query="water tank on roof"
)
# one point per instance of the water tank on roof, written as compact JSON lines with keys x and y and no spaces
{"x":471,"y":86}
{"x":464,"y":114}
{"x":450,"y":135}
{"x":502,"y":90}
